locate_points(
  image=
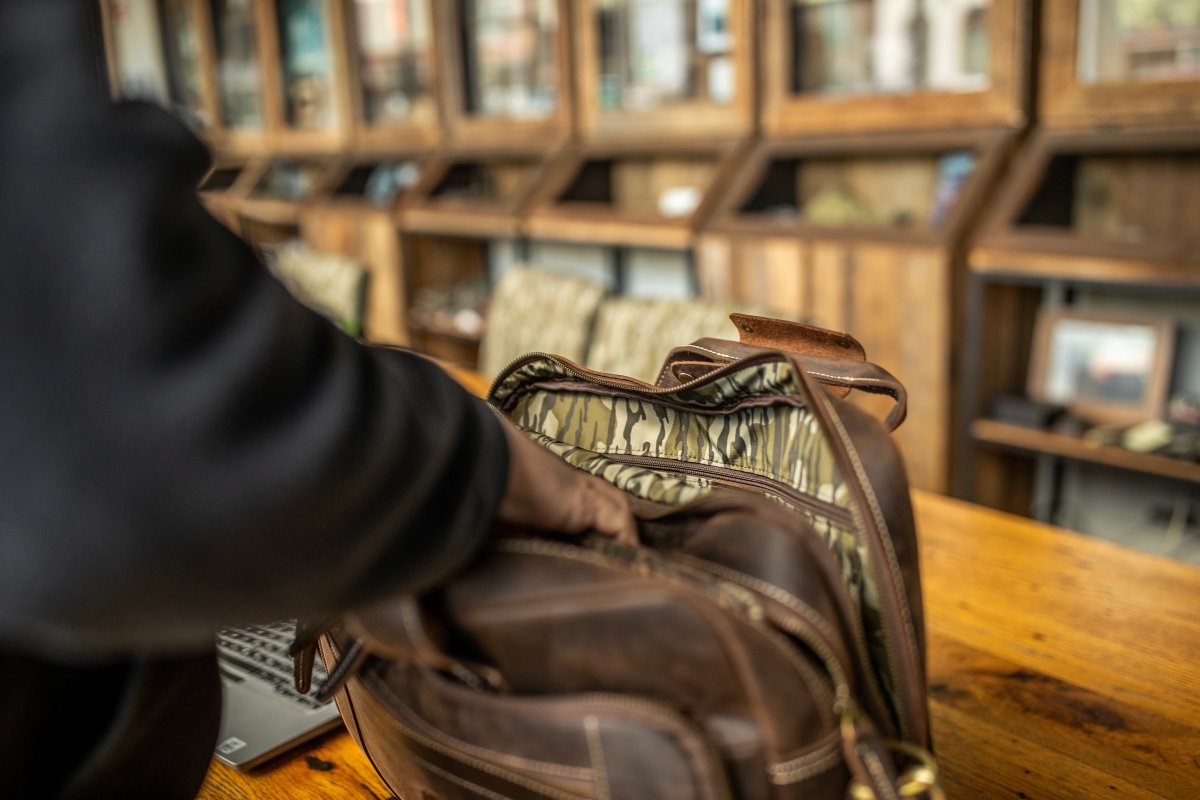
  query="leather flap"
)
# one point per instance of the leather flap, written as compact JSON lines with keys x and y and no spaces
{"x":796,"y":337}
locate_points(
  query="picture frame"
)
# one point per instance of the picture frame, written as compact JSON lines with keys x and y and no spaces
{"x":1104,"y":367}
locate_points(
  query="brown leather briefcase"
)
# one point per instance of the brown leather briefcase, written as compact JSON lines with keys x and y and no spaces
{"x":764,"y":640}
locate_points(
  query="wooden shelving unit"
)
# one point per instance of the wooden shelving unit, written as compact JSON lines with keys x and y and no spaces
{"x":505,"y":93}
{"x":1032,"y":440}
{"x":657,"y":144}
{"x":854,"y":209}
{"x":1100,"y":210}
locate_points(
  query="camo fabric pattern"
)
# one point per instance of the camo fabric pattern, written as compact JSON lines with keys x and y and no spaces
{"x":730,"y":427}
{"x":643,"y":482}
{"x":728,"y":423}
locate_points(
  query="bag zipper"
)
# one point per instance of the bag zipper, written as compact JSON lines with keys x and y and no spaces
{"x":906,"y":711}
{"x":740,"y":480}
{"x":765,"y":485}
{"x":658,"y":711}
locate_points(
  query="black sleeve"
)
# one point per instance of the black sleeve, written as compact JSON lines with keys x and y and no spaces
{"x":182,"y":445}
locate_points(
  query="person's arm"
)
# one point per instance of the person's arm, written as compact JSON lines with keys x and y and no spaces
{"x":184,"y":445}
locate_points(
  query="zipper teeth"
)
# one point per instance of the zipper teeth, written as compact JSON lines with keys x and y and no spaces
{"x":603,"y":379}
{"x":905,"y":720}
{"x":885,"y":564}
{"x":740,"y":478}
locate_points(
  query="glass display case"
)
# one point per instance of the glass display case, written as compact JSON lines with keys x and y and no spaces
{"x":632,"y":196}
{"x":882,"y":46}
{"x":393,"y":50}
{"x":647,"y":67}
{"x":879,"y":64}
{"x":1149,"y":40}
{"x":238,"y":63}
{"x":1120,"y":62}
{"x":184,"y":69}
{"x":136,"y":66}
{"x":307,"y":65}
{"x":865,"y":233}
{"x":503,"y":66}
{"x":511,"y":58}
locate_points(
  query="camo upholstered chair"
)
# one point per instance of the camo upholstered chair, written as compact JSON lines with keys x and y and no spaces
{"x":538,"y":310}
{"x":632,"y":335}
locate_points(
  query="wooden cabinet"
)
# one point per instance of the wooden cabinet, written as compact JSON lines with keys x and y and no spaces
{"x":1088,"y":220}
{"x":393,"y":80}
{"x":885,"y":129}
{"x":855,"y":65}
{"x":863,"y":234}
{"x":505,"y":73}
{"x":1099,"y":215}
{"x":667,"y":108}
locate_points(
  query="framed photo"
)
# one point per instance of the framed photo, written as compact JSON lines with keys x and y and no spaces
{"x":1105,"y":368}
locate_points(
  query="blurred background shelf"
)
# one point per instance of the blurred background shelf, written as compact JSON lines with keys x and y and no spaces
{"x":1005,"y":434}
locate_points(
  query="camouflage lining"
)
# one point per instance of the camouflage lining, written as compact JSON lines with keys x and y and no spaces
{"x":730,"y":423}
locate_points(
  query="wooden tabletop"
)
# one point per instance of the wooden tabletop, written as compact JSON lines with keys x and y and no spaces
{"x":1061,"y":667}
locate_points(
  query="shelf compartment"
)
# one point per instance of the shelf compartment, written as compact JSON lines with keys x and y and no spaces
{"x":635,"y":196}
{"x":1123,"y":203}
{"x":474,"y":195}
{"x":1032,"y":440}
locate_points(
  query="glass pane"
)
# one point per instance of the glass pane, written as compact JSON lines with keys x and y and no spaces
{"x":181,"y":46}
{"x":655,"y":53}
{"x":393,"y":53}
{"x":137,"y":50}
{"x":906,"y":192}
{"x":511,"y":57}
{"x":239,"y":75}
{"x":307,"y":63}
{"x":889,"y":46}
{"x":1139,"y":40}
{"x":379,"y":183}
{"x":289,"y":180}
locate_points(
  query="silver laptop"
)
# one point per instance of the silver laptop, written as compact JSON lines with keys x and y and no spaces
{"x":263,"y":715}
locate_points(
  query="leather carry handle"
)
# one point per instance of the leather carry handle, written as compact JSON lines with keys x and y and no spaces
{"x":692,"y":361}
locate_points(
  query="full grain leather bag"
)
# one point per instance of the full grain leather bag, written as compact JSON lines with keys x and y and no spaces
{"x":764,"y":640}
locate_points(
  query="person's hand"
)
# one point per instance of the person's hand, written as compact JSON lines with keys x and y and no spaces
{"x":545,"y":492}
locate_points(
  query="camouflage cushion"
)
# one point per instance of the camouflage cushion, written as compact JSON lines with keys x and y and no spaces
{"x":535,"y":310}
{"x":633,"y":336}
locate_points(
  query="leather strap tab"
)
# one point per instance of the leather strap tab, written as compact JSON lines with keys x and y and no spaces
{"x":796,"y":337}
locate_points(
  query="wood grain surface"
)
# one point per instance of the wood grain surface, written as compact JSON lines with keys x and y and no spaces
{"x":1061,"y":667}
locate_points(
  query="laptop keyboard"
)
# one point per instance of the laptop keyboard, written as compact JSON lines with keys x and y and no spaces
{"x":262,"y":652}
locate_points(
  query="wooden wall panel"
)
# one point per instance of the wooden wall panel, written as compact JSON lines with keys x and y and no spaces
{"x":901,"y":314}
{"x":894,"y":298}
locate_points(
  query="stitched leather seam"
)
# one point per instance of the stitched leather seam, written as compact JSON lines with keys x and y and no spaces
{"x":770,"y":590}
{"x":848,"y":378}
{"x":878,"y":773}
{"x":474,"y":754}
{"x":815,"y":686}
{"x":474,"y":787}
{"x":886,"y":538}
{"x":591,"y":727}
{"x":808,"y":765}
